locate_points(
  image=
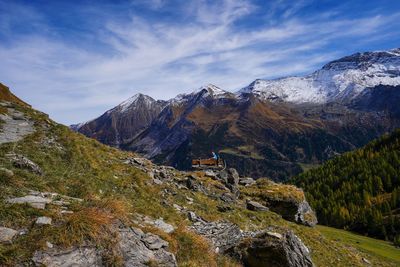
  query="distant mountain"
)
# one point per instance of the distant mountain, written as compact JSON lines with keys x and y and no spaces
{"x":359,"y":190}
{"x":338,"y":81}
{"x":271,"y":128}
{"x":122,"y":123}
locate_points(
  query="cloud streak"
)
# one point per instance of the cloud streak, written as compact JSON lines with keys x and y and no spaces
{"x":149,"y":50}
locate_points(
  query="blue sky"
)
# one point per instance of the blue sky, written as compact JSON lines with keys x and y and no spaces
{"x":75,"y":59}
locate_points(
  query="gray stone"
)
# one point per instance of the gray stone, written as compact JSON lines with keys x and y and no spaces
{"x":154,"y":242}
{"x":246,"y":181}
{"x":82,"y":257}
{"x":163,"y":226}
{"x":233,"y":177}
{"x":255,"y":206}
{"x":135,"y":253}
{"x":275,"y":250}
{"x":292,"y":210}
{"x":23,"y":162}
{"x":192,"y":216}
{"x":223,"y":235}
{"x":43,"y":220}
{"x":12,"y":129}
{"x":210,"y":174}
{"x":7,"y":234}
{"x":228,"y":198}
{"x":34,"y":201}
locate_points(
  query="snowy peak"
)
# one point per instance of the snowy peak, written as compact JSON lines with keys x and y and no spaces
{"x":208,"y":91}
{"x":133,"y":101}
{"x":339,"y":80}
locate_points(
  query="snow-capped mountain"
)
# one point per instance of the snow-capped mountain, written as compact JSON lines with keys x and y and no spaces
{"x":124,"y":121}
{"x":339,"y":80}
{"x":205,"y":92}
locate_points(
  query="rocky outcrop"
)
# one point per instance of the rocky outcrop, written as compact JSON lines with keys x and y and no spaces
{"x":7,"y":234}
{"x":254,"y":249}
{"x":136,"y":248}
{"x":139,"y":249}
{"x":15,"y":126}
{"x":291,"y":210}
{"x":40,"y":199}
{"x":22,"y":162}
{"x":82,"y":256}
{"x":255,"y":206}
{"x":274,"y":250}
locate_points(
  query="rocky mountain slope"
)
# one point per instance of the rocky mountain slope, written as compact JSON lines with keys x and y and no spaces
{"x":120,"y":124}
{"x":273,"y":128}
{"x":67,"y":199}
{"x":359,"y":190}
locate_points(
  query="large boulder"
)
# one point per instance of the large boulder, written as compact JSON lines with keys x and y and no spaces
{"x":273,"y":250}
{"x":291,"y":210}
{"x":223,"y":235}
{"x":139,"y":249}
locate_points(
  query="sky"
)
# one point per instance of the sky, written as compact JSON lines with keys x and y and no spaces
{"x":75,"y":59}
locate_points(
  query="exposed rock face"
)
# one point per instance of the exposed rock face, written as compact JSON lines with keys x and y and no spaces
{"x":83,"y":257}
{"x":7,"y":234}
{"x":136,"y":248}
{"x":255,"y":206}
{"x":15,"y":126}
{"x":23,"y":162}
{"x":254,"y":249}
{"x":292,"y":210}
{"x":139,"y":249}
{"x":223,"y":235}
{"x":275,"y":250}
{"x":120,"y":124}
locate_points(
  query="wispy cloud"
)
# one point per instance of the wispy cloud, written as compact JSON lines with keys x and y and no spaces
{"x":143,"y":47}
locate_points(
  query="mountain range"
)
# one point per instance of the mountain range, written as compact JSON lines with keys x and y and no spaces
{"x":272,"y":128}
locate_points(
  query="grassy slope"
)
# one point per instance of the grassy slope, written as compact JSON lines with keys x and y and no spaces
{"x":112,"y":190}
{"x":382,"y":249}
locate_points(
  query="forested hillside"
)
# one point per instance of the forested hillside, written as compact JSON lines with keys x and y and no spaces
{"x":359,"y":190}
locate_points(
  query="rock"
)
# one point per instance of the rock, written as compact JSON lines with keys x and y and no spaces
{"x":177,"y":207}
{"x":12,"y":129}
{"x":154,"y":242}
{"x":163,"y":226}
{"x":83,"y":256}
{"x":233,"y":177}
{"x":136,"y":253}
{"x":291,"y":210}
{"x":7,"y":234}
{"x":49,"y":245}
{"x":255,"y":206}
{"x":23,"y":162}
{"x":366,"y":261}
{"x":34,"y":201}
{"x":275,"y":250}
{"x":43,"y":221}
{"x":157,"y":181}
{"x":210,"y":174}
{"x":246,"y":181}
{"x":6,"y":173}
{"x":224,"y":208}
{"x":223,"y":235}
{"x":228,"y":198}
{"x":193,"y":184}
{"x":223,"y":176}
{"x":192,"y":216}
